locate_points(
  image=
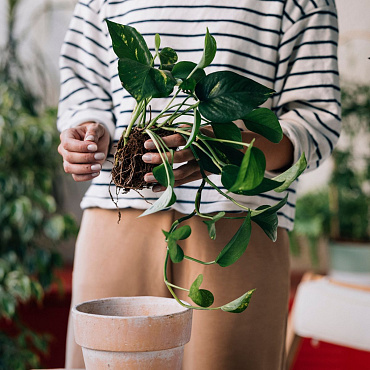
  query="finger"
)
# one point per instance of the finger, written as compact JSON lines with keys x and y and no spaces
{"x":94,"y":131}
{"x":80,"y":178}
{"x":172,"y":141}
{"x":83,"y":158}
{"x":72,"y":142}
{"x":81,"y":169}
{"x":180,"y":156}
{"x":193,"y":177}
{"x":180,"y":173}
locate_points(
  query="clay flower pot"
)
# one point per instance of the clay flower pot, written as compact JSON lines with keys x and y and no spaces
{"x":132,"y":333}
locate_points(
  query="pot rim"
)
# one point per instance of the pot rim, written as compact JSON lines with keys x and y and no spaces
{"x":182,"y":309}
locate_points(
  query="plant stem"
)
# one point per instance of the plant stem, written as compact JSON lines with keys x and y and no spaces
{"x":176,"y":287}
{"x":135,"y":114}
{"x":164,"y":110}
{"x":199,"y":261}
{"x":169,"y":287}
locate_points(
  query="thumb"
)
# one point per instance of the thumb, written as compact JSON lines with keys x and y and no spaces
{"x":93,"y":132}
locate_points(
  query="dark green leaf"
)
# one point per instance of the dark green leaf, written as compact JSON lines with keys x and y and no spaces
{"x":264,"y":122}
{"x":205,"y":161}
{"x":181,"y":233}
{"x":211,"y":224}
{"x":291,"y":174}
{"x":128,"y":43}
{"x":209,"y":51}
{"x":175,"y":251}
{"x":163,"y":173}
{"x":201,"y":297}
{"x":183,"y":69}
{"x":226,"y":153}
{"x":239,"y":304}
{"x":228,"y":131}
{"x":194,"y":129}
{"x":166,"y":200}
{"x":227,"y":96}
{"x":188,"y":85}
{"x":143,"y":81}
{"x":264,"y":186}
{"x":237,"y":245}
{"x":266,"y":217}
{"x":168,"y":58}
{"x":251,"y":171}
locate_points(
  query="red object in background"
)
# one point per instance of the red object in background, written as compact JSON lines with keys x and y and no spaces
{"x":52,"y":318}
{"x":326,"y":356}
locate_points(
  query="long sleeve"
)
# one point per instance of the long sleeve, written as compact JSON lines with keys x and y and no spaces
{"x":84,"y":68}
{"x":307,"y":81}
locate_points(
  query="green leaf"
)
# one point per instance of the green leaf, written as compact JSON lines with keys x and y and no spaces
{"x":204,"y":160}
{"x":239,"y":304}
{"x":226,"y":153}
{"x":201,"y":297}
{"x":211,"y":224}
{"x":266,"y":217}
{"x":250,"y":173}
{"x":166,"y":200}
{"x":168,"y":58}
{"x":195,"y":128}
{"x":237,"y":245}
{"x":182,"y":70}
{"x":143,"y":81}
{"x":181,"y":233}
{"x":209,"y":51}
{"x":128,"y":43}
{"x":163,"y":173}
{"x":157,"y":42}
{"x":175,"y":251}
{"x":228,"y":131}
{"x":188,"y":85}
{"x":264,"y":122}
{"x":227,"y":96}
{"x":291,"y":174}
{"x":266,"y":185}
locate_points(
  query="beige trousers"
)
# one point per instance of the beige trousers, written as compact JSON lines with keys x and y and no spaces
{"x":126,"y":259}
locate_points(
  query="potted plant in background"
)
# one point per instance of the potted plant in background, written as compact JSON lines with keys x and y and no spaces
{"x":340,"y":211}
{"x":214,"y":100}
{"x":31,"y":223}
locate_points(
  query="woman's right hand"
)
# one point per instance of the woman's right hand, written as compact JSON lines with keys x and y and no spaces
{"x":84,"y":149}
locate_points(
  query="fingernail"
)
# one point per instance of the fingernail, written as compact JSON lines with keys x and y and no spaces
{"x":92,"y":147}
{"x":95,"y":174}
{"x":149,"y":178}
{"x":149,"y":145}
{"x":147,"y":158}
{"x":90,"y":138}
{"x":99,"y":156}
{"x":157,"y":188}
{"x":96,"y":167}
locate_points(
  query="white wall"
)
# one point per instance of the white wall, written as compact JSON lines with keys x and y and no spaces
{"x":354,"y":65}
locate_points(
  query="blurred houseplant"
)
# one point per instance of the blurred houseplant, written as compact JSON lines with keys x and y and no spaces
{"x":340,"y":211}
{"x":31,"y":224}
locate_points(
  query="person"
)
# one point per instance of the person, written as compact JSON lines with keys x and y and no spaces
{"x":287,"y":45}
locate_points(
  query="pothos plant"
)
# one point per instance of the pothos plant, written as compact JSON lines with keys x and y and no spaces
{"x":214,"y":100}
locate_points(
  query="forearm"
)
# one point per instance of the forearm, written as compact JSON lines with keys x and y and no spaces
{"x":278,"y":156}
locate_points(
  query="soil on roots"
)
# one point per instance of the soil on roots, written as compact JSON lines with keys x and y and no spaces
{"x":129,"y":169}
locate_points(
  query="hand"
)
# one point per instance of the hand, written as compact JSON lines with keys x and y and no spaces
{"x":84,"y":149}
{"x":186,"y":173}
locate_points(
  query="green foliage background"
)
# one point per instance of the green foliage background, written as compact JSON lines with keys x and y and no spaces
{"x":31,"y":223}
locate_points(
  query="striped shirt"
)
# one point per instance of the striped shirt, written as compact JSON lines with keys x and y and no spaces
{"x":287,"y":45}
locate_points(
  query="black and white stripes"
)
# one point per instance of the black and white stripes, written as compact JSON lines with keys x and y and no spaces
{"x":288,"y":45}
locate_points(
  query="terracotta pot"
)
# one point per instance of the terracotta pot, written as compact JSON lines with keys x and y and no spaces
{"x":132,"y":333}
